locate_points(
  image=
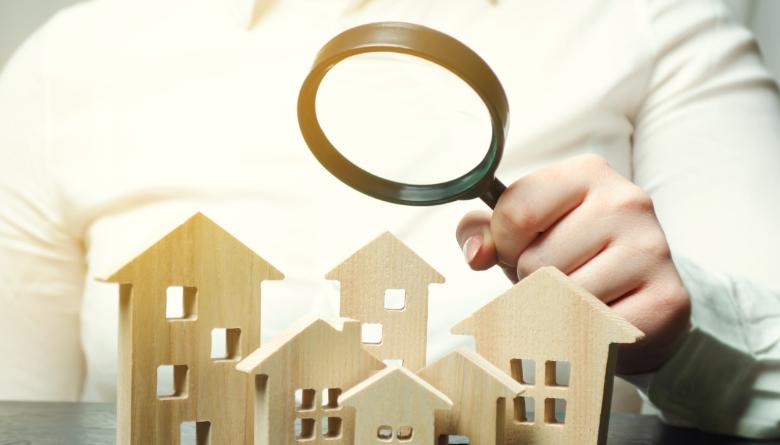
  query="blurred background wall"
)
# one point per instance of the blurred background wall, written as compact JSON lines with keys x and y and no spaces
{"x":20,"y":18}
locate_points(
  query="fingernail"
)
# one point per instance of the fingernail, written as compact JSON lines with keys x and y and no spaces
{"x":471,"y":247}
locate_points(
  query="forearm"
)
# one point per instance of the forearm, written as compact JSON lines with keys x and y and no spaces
{"x":726,"y":376}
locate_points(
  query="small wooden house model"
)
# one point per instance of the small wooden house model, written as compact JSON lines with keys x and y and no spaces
{"x":482,"y":395}
{"x":385,"y":286}
{"x":395,"y":406}
{"x":217,"y":282}
{"x":298,"y":378}
{"x":542,"y":326}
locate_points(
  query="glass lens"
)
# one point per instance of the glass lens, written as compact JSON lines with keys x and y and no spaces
{"x":403,"y":118}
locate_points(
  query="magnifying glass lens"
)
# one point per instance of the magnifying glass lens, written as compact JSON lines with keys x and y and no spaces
{"x":403,"y":118}
{"x":423,"y":124}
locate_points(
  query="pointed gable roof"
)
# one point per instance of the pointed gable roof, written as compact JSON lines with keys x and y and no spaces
{"x":386,"y":252}
{"x":466,"y":362}
{"x":310,"y":337}
{"x":394,"y":383}
{"x":557,"y":288}
{"x":197,"y":238}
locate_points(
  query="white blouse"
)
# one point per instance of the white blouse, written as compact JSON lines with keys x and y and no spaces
{"x":119,"y":119}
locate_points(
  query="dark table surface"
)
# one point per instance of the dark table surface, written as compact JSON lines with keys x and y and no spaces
{"x":39,"y":423}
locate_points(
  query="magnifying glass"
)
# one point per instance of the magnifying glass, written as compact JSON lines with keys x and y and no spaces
{"x":436,"y":47}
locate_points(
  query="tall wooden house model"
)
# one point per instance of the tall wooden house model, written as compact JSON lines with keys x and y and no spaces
{"x":385,"y":286}
{"x":217,"y":282}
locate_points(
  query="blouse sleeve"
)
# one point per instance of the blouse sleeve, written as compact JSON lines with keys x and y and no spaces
{"x":707,"y":149}
{"x":41,"y":262}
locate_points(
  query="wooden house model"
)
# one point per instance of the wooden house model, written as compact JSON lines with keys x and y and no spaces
{"x":542,"y":326}
{"x":216,"y":280}
{"x":298,"y":378}
{"x":482,"y":397}
{"x":395,"y":406}
{"x":385,"y":286}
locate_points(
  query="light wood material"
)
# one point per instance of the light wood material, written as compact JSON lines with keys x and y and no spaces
{"x":481,"y":395}
{"x":387,"y":263}
{"x":395,"y":400}
{"x":310,"y":356}
{"x":222,"y":280}
{"x":547,"y":318}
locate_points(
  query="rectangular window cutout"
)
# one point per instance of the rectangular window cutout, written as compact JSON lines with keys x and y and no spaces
{"x":330,"y":398}
{"x":304,"y":429}
{"x":453,"y":440}
{"x":557,"y":373}
{"x":195,"y":433}
{"x":331,"y":427}
{"x":384,"y":433}
{"x":524,"y":409}
{"x":395,"y":299}
{"x":523,"y":371}
{"x":304,"y":399}
{"x":172,"y":381}
{"x":555,"y":411}
{"x":404,"y":434}
{"x":372,"y":333}
{"x":226,"y":344}
{"x":181,"y":303}
{"x":393,"y":362}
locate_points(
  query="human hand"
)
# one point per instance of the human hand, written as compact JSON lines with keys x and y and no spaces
{"x":599,"y":228}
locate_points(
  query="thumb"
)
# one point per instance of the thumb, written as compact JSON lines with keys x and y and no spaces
{"x":474,"y":237}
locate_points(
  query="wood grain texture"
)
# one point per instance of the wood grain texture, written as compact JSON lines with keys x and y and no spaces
{"x":481,"y":395}
{"x":310,"y":356}
{"x":387,"y":263}
{"x":550,"y":320}
{"x":397,"y":400}
{"x":221,"y":279}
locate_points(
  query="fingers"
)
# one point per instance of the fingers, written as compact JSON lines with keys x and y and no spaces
{"x":474,"y":237}
{"x":662,"y":312}
{"x":614,"y":273}
{"x":570,"y":243}
{"x":536,"y":202}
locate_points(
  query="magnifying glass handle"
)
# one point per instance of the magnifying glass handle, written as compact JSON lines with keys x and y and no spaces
{"x":490,"y":197}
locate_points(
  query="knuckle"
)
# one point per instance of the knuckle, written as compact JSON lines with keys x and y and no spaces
{"x":529,"y":262}
{"x":517,"y":219}
{"x":632,"y":199}
{"x":674,"y":298}
{"x":592,"y":161}
{"x":653,"y":244}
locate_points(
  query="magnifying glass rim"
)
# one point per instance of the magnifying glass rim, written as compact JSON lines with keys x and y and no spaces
{"x":428,"y":44}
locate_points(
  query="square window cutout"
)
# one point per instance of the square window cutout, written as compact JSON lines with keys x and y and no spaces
{"x":372,"y":333}
{"x":404,"y":434}
{"x":172,"y":381}
{"x":181,"y":303}
{"x":384,"y":433}
{"x":555,"y":411}
{"x":195,"y":433}
{"x":557,"y":373}
{"x":304,"y":429}
{"x":304,"y":399}
{"x":331,"y":427}
{"x":524,"y":409}
{"x":330,"y":398}
{"x":395,"y":299}
{"x":523,"y":370}
{"x":226,"y":344}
